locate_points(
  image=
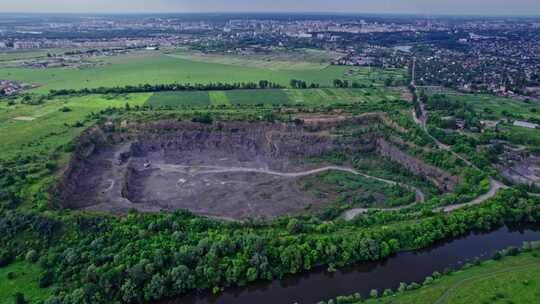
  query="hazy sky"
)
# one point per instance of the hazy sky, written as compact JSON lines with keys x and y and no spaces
{"x":482,"y":7}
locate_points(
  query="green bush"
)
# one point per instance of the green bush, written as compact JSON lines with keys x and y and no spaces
{"x":387,"y":292}
{"x":45,"y":279}
{"x":19,"y":298}
{"x":6,"y":258}
{"x":428,"y":281}
{"x":32,"y":256}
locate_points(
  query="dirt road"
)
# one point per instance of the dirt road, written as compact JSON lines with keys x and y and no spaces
{"x":420,"y":196}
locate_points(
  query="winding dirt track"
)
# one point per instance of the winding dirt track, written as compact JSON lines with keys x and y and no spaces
{"x":348,"y":215}
{"x":495,"y":185}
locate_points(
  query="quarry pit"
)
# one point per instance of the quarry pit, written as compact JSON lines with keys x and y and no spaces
{"x":228,"y":170}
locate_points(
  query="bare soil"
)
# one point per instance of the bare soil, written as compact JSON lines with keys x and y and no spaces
{"x":230,"y":170}
{"x":234,"y":171}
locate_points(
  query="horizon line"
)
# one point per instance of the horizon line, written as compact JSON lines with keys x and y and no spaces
{"x":357,"y":13}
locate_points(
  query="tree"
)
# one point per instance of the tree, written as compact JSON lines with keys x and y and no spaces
{"x":19,"y":298}
{"x":204,"y":118}
{"x":157,"y":288}
{"x":294,"y":226}
{"x":46,"y":279}
{"x":181,"y":279}
{"x":338,"y":83}
{"x":251,"y":274}
{"x":31,"y":256}
{"x":5,"y":258}
{"x":263,"y":84}
{"x":130,"y":292}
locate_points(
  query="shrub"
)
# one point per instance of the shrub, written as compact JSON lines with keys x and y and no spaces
{"x":374,"y":293}
{"x":497,"y":255}
{"x":499,"y":295}
{"x":46,"y":279}
{"x":31,"y":256}
{"x":19,"y":298}
{"x":331,"y":268}
{"x":512,"y":251}
{"x":204,"y":118}
{"x":428,"y":281}
{"x":413,"y":286}
{"x":5,"y":258}
{"x":387,"y":292}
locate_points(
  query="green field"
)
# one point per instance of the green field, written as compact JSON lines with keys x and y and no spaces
{"x":40,"y":129}
{"x":240,"y":97}
{"x":196,"y":98}
{"x":510,"y":280}
{"x":158,"y":68}
{"x":272,"y":97}
{"x":497,"y":107}
{"x":301,"y":59}
{"x":25,"y":281}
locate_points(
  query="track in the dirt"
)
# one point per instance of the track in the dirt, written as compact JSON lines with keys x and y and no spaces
{"x":348,"y":215}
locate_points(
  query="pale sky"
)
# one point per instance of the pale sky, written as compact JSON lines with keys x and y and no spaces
{"x":478,"y":7}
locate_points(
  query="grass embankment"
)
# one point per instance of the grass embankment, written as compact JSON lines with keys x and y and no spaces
{"x":510,"y":280}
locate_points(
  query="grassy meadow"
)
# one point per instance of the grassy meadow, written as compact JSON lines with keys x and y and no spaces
{"x":25,"y":277}
{"x":155,"y":67}
{"x":43,"y":127}
{"x":301,"y":59}
{"x":498,"y":107}
{"x":510,"y":280}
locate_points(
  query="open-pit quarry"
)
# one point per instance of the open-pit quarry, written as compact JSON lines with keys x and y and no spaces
{"x":229,"y":170}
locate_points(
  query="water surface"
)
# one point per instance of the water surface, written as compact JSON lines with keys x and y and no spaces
{"x":317,"y":285}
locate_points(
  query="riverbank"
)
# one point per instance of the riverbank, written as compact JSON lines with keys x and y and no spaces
{"x":511,"y":279}
{"x":408,"y":267}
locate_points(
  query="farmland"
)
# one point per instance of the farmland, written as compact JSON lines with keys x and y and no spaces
{"x":312,"y":97}
{"x":157,"y":68}
{"x":302,"y":59}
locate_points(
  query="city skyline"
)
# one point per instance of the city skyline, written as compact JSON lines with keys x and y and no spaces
{"x":456,"y":7}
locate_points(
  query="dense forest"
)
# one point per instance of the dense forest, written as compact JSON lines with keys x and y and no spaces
{"x":140,"y":257}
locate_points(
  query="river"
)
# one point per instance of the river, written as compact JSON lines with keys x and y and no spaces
{"x":412,"y":266}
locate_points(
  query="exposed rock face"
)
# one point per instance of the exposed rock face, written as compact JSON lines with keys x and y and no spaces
{"x":87,"y":144}
{"x":439,"y":178}
{"x":168,"y":165}
{"x":275,"y":143}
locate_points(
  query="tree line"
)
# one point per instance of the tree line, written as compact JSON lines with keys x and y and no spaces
{"x":146,"y":88}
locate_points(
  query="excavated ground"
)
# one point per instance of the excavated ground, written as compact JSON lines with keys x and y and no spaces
{"x":227,"y":170}
{"x":235,"y":170}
